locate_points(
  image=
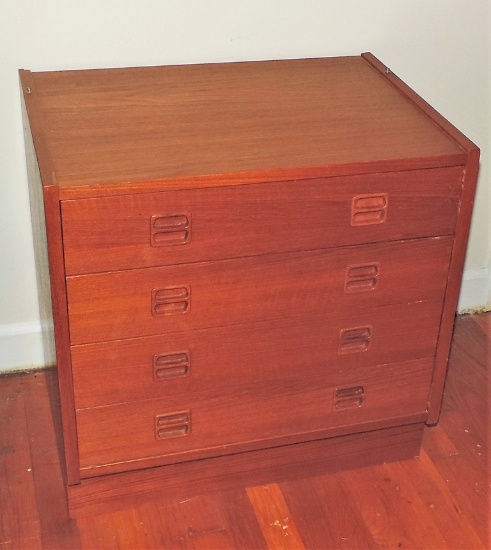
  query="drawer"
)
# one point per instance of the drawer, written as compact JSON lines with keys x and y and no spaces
{"x":323,"y":348}
{"x":182,"y":226}
{"x":260,"y":415}
{"x":127,"y":304}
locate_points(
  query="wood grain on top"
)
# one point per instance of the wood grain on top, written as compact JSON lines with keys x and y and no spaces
{"x":122,"y":126}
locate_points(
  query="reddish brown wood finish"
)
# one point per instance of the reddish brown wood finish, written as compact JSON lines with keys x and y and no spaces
{"x":220,"y":422}
{"x":200,"y":120}
{"x":45,"y":436}
{"x":51,"y":278}
{"x":465,"y":143}
{"x":453,"y":285}
{"x":311,"y":500}
{"x":251,"y":289}
{"x":210,"y":212}
{"x":438,"y":500}
{"x":462,"y":231}
{"x":225,"y":472}
{"x":61,"y":334}
{"x":269,"y":505}
{"x":112,"y":233}
{"x":272,"y":351}
{"x":18,"y":520}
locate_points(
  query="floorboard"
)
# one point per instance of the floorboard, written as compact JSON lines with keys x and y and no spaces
{"x":439,"y":500}
{"x":276,"y":522}
{"x":19,"y":517}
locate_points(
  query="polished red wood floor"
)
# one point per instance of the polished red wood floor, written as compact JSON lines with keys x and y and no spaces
{"x":439,"y":500}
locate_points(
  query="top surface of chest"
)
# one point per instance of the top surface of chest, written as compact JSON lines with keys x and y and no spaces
{"x":102,"y":128}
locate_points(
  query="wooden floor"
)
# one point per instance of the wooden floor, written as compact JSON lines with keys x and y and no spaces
{"x":439,"y":500}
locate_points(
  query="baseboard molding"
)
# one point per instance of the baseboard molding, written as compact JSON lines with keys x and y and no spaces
{"x":475,"y":294}
{"x":22,"y":347}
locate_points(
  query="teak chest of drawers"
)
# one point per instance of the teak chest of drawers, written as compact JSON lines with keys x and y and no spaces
{"x":254,"y":267}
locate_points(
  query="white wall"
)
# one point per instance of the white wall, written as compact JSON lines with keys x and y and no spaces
{"x":440,"y":47}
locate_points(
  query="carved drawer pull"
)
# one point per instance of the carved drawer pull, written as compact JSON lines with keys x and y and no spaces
{"x":170,"y":301}
{"x":170,"y":366}
{"x":354,"y":391}
{"x":369,"y":209}
{"x":360,"y":278}
{"x":172,"y":425}
{"x":349,"y":398}
{"x":170,"y":230}
{"x":355,"y":339}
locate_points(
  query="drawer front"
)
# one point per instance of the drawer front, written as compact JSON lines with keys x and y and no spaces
{"x":323,"y":348}
{"x":165,"y":228}
{"x":185,"y":427}
{"x":127,"y":304}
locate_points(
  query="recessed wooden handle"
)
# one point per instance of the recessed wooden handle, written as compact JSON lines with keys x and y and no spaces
{"x":369,"y":209}
{"x":354,"y":391}
{"x":170,"y":301}
{"x":360,"y":278}
{"x":170,"y":230}
{"x":172,"y":424}
{"x":170,"y":366}
{"x":355,"y":339}
{"x":351,"y":397}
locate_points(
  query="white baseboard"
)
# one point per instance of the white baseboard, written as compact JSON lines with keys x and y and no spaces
{"x":21,"y":347}
{"x":475,"y":293}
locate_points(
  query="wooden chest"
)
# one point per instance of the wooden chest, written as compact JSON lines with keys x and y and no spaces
{"x":254,"y":267}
